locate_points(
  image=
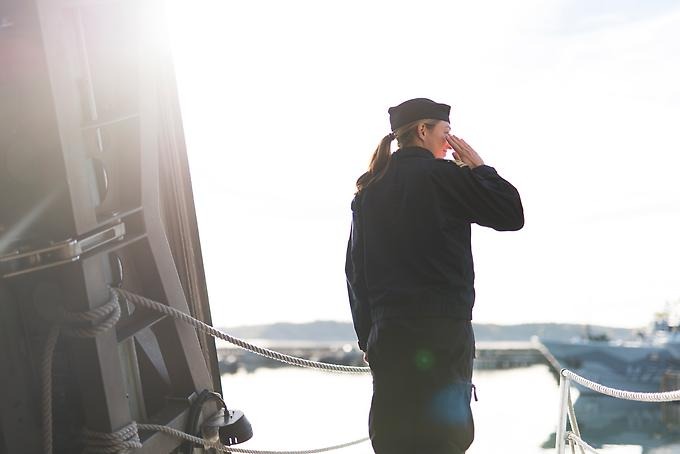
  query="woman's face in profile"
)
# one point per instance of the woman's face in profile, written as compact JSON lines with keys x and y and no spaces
{"x":435,"y":139}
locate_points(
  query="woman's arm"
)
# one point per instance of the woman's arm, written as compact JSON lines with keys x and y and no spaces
{"x":475,"y":192}
{"x":356,"y":283}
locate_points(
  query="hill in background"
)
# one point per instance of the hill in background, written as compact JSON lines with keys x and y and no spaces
{"x":333,"y":331}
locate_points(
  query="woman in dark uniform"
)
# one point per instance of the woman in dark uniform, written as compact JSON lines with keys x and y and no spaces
{"x":410,"y":277}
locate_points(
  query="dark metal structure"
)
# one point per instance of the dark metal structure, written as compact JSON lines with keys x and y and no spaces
{"x":95,"y":192}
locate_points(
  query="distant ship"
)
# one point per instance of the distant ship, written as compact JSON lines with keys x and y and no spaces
{"x":633,"y":365}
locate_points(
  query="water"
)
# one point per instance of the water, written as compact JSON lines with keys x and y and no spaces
{"x":294,"y":409}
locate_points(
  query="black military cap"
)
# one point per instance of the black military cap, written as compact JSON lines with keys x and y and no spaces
{"x":417,"y":109}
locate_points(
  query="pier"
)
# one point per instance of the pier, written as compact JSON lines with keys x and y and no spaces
{"x":506,"y":355}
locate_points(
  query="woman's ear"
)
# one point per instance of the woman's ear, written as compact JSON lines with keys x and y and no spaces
{"x":421,"y":131}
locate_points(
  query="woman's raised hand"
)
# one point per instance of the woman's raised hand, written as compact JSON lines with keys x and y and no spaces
{"x":464,"y":152}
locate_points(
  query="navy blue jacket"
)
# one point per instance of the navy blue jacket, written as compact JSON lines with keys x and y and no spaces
{"x":409,"y":253}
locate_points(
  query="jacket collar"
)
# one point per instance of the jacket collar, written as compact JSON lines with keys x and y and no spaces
{"x":413,"y":152}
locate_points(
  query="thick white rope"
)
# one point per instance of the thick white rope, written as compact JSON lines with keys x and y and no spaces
{"x":668,"y":396}
{"x":575,"y":438}
{"x":82,"y":325}
{"x":46,"y":379}
{"x":179,"y":315}
{"x":117,"y":442}
{"x":222,"y":448}
{"x":572,"y":437}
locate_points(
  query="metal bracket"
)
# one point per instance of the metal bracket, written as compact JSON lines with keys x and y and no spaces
{"x":18,"y":262}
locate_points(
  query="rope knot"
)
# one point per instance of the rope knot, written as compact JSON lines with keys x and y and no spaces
{"x":85,"y":324}
{"x":118,"y":442}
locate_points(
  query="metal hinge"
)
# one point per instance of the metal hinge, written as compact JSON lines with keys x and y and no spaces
{"x":68,"y":251}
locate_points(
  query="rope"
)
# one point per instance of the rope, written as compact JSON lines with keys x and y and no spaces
{"x":120,"y":441}
{"x":95,"y":321}
{"x":46,"y":403}
{"x":222,"y":448}
{"x":575,"y":438}
{"x":100,"y":319}
{"x":74,"y":324}
{"x":179,"y":315}
{"x":668,"y":396}
{"x":572,"y":437}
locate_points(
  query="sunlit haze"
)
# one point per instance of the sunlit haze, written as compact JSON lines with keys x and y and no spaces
{"x":577,"y":103}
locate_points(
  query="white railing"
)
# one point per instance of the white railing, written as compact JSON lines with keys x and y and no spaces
{"x":566,"y":409}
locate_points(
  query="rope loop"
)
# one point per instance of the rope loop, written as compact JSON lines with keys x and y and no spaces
{"x":84,"y":324}
{"x":119,"y":442}
{"x":75,"y":324}
{"x":93,"y":322}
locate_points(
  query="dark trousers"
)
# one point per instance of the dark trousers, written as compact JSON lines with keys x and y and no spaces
{"x":422,"y":372}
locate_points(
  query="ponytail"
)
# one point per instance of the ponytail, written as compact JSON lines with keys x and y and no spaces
{"x":406,"y":136}
{"x":380,"y":161}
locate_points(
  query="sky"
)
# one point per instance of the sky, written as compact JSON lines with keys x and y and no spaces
{"x":576,"y":102}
